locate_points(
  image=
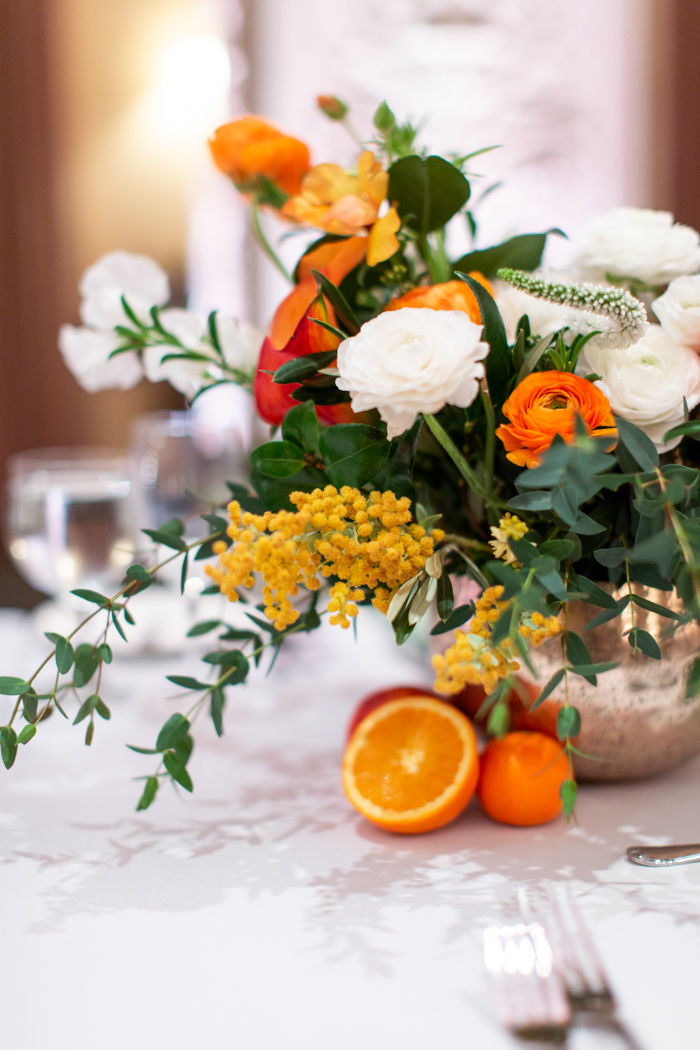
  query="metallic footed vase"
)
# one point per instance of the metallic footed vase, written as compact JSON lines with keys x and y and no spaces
{"x":641,"y":718}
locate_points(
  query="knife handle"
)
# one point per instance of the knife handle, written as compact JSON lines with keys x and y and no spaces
{"x":663,"y":856}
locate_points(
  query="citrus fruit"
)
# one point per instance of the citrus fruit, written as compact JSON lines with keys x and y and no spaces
{"x":521,"y":774}
{"x":382,"y":696}
{"x":542,"y":720}
{"x":411,"y":765}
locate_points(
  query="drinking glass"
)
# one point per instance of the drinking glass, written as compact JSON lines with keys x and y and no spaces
{"x":70,"y":520}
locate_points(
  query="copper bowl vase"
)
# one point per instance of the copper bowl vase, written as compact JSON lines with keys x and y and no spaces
{"x":639,"y":719}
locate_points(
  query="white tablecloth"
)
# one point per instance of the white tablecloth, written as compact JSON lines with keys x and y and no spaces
{"x":262,"y":912}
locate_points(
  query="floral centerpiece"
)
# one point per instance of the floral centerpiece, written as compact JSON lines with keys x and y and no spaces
{"x":432,"y":418}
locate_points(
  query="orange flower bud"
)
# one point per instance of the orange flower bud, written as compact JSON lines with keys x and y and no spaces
{"x":249,"y":147}
{"x":547,"y":403}
{"x":331,"y":106}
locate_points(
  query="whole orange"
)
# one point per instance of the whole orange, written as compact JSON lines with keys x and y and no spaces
{"x":521,"y":774}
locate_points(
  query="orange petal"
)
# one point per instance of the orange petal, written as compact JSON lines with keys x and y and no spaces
{"x":382,"y":239}
{"x":374,"y":181}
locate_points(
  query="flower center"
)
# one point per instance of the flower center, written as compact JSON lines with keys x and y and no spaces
{"x":557,"y":401}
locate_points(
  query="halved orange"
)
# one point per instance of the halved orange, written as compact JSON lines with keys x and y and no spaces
{"x":411,"y":765}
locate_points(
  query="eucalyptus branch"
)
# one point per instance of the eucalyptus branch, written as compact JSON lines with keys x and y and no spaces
{"x":459,"y":461}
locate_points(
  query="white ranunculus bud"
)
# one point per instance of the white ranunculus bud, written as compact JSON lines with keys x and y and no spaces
{"x":140,"y":279}
{"x":678,"y":310}
{"x":184,"y":375}
{"x":640,"y":243}
{"x":86,"y":353}
{"x":545,"y":317}
{"x":240,"y":343}
{"x":646,"y":382}
{"x":405,"y":362}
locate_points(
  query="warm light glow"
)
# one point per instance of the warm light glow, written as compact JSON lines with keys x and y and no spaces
{"x":194,"y":77}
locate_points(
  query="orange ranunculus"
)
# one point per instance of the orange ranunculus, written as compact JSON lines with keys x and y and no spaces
{"x":336,"y":201}
{"x":547,"y":403}
{"x":249,"y":147}
{"x":293,"y":332}
{"x":453,"y":295}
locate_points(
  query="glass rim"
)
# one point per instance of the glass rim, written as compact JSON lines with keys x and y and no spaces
{"x":56,"y":457}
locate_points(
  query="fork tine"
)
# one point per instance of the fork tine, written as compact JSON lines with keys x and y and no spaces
{"x":583,"y":971}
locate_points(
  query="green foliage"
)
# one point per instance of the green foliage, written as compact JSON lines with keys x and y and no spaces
{"x":520,"y":253}
{"x":427,"y":192}
{"x":173,"y":731}
{"x":300,"y":427}
{"x":343,"y":311}
{"x":499,"y":363}
{"x":8,"y":746}
{"x":568,"y":722}
{"x":567,"y":793}
{"x":10,"y":686}
{"x":353,"y":453}
{"x":87,"y":660}
{"x":149,"y":793}
{"x":301,"y":368}
{"x":278,"y":459}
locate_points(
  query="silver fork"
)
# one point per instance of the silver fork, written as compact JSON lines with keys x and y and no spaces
{"x":592,"y":1002}
{"x":529,"y":996}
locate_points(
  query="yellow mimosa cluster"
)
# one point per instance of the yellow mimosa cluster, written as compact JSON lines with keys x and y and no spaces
{"x":365,"y":541}
{"x":473,"y":660}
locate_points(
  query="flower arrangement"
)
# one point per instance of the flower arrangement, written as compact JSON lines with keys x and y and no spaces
{"x":431,"y":417}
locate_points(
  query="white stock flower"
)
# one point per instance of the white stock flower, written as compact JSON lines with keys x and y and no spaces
{"x":405,"y":362}
{"x":678,"y":310}
{"x":86,"y":353}
{"x":186,"y":376}
{"x":240,"y":343}
{"x":639,"y":243}
{"x":140,"y":279}
{"x":646,"y":382}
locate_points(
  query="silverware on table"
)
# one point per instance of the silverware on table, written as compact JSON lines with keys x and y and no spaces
{"x":530,"y":999}
{"x":663,"y":856}
{"x":576,"y":957}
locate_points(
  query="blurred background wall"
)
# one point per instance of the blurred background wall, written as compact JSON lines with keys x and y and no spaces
{"x":105,"y":106}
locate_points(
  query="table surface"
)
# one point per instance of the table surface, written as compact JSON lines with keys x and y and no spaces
{"x":263,"y":912}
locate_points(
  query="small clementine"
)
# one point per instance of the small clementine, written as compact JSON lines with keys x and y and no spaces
{"x":521,"y":774}
{"x":411,"y":765}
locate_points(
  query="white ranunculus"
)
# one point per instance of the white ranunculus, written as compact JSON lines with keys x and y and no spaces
{"x":86,"y":353}
{"x":639,"y":243}
{"x":678,"y":310}
{"x":140,"y":279}
{"x":409,"y":361}
{"x":545,"y":318}
{"x":184,"y":375}
{"x":646,"y":382}
{"x":240,"y":343}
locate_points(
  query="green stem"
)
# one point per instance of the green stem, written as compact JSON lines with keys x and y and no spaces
{"x":459,"y":461}
{"x":490,"y":451}
{"x":262,"y":240}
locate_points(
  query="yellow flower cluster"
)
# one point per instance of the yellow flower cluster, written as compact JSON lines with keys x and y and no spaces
{"x":365,"y":541}
{"x":473,"y":660}
{"x":509,"y":527}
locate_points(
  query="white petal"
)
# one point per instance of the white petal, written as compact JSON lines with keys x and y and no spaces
{"x":86,"y":353}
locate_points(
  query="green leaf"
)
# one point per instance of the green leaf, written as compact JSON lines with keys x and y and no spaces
{"x":427,"y":191}
{"x":301,"y":368}
{"x":149,"y":793}
{"x":218,"y":524}
{"x":611,"y":557}
{"x":8,"y":746}
{"x":519,"y":253}
{"x":278,"y":459}
{"x":217,"y":710}
{"x":595,"y":595}
{"x":13,"y":686}
{"x":533,"y":501}
{"x":26,"y":735}
{"x":589,"y":670}
{"x":660,"y":610}
{"x":691,"y":429}
{"x":344,"y":312}
{"x":444,"y":596}
{"x":102,"y":709}
{"x":142,"y":750}
{"x":639,"y":446}
{"x":87,"y":660}
{"x":183,"y":575}
{"x":560,"y":550}
{"x":568,"y":722}
{"x":321,"y":395}
{"x":30,"y":705}
{"x":128,"y":617}
{"x":203,"y":628}
{"x":185,"y":682}
{"x":174,"y":729}
{"x":86,"y":708}
{"x":458,"y":617}
{"x":644,"y":642}
{"x":139,"y":572}
{"x":120,"y":629}
{"x":167,"y":539}
{"x":183,"y":749}
{"x":353,"y":453}
{"x":64,"y":655}
{"x":177,"y":770}
{"x":567,"y":793}
{"x":565,"y":504}
{"x":105,"y":653}
{"x":300,"y":427}
{"x":499,"y":720}
{"x":499,"y":363}
{"x":275,"y":491}
{"x":607,"y":614}
{"x":577,"y":653}
{"x":174,"y":527}
{"x":91,"y":596}
{"x":692,"y":687}
{"x":549,"y":688}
